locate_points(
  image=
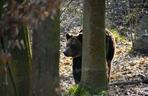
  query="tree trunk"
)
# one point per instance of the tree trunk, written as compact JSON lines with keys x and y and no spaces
{"x":14,"y":76}
{"x":93,"y":59}
{"x":21,"y":64}
{"x":45,"y":76}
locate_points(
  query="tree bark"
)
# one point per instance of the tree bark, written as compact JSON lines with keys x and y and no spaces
{"x":45,"y":76}
{"x":94,"y":66}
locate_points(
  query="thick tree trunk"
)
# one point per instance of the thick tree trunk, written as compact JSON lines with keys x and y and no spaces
{"x":45,"y":76}
{"x":93,"y":62}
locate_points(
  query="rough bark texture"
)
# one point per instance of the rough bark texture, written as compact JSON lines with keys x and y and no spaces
{"x":93,"y":61}
{"x":45,"y":76}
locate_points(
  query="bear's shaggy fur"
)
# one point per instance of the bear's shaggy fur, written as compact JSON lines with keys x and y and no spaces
{"x":74,"y":49}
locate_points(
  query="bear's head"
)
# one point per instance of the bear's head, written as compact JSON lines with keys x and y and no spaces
{"x":73,"y":46}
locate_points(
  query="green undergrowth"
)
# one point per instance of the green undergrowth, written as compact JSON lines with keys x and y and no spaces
{"x":76,"y":90}
{"x":117,"y":36}
{"x":122,"y":39}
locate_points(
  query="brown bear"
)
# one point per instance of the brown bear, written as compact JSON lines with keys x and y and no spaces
{"x":74,"y":49}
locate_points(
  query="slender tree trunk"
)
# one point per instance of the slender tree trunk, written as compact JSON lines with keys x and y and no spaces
{"x":21,"y":64}
{"x":93,"y":61}
{"x":45,"y":76}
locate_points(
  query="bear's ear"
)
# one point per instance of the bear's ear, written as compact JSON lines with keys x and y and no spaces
{"x":68,"y":36}
{"x":79,"y":37}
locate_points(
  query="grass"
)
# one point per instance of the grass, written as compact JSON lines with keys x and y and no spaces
{"x":76,"y":90}
{"x":117,"y":36}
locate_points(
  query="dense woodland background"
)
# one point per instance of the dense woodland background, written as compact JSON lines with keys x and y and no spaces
{"x":29,"y":46}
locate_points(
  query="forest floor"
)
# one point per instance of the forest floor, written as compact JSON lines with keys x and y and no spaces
{"x":125,"y":67}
